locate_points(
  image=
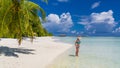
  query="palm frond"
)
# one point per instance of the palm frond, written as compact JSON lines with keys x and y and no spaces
{"x":20,"y":18}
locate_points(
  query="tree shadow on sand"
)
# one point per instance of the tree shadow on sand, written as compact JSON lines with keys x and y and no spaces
{"x":7,"y":51}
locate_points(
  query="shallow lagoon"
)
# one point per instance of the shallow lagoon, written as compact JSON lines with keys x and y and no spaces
{"x":95,"y":52}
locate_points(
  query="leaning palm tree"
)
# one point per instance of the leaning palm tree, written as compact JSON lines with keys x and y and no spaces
{"x":18,"y":17}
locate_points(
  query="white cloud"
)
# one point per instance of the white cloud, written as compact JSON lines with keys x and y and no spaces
{"x":74,"y":31}
{"x":117,"y":30}
{"x":103,"y":17}
{"x":53,"y":18}
{"x":96,"y":4}
{"x":63,"y":0}
{"x":94,"y":31}
{"x":77,"y":33}
{"x":56,"y":23}
{"x":99,"y":22}
{"x":84,"y":20}
{"x":81,"y":32}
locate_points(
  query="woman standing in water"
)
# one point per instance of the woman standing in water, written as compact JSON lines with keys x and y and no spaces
{"x":77,"y":45}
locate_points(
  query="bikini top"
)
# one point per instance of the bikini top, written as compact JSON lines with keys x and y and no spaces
{"x":78,"y":42}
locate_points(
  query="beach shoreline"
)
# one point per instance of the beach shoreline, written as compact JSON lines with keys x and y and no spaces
{"x":38,"y":54}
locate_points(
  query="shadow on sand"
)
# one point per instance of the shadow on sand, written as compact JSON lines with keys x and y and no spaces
{"x":7,"y":51}
{"x":72,"y":55}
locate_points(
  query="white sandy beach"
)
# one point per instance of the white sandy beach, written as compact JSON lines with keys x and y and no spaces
{"x":38,"y":54}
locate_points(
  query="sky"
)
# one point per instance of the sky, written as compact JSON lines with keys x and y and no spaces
{"x":82,"y":17}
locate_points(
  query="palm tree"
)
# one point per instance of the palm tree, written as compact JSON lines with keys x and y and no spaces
{"x":19,"y":17}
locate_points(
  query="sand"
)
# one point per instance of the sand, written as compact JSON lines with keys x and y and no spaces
{"x":38,"y":54}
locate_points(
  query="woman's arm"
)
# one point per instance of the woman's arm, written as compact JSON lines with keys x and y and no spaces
{"x":75,"y":42}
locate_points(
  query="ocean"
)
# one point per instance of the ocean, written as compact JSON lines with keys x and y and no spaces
{"x":95,"y":52}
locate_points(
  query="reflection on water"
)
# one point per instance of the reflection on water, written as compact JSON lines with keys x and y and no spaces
{"x":94,"y":53}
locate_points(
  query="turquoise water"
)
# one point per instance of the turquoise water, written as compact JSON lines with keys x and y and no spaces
{"x":95,"y":52}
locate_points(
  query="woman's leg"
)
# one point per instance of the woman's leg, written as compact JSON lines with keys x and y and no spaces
{"x":77,"y":50}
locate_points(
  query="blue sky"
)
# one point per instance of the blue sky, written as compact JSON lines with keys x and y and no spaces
{"x":82,"y":17}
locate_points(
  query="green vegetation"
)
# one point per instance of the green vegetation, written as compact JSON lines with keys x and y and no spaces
{"x":19,"y":18}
